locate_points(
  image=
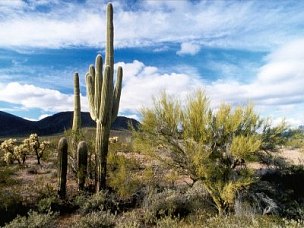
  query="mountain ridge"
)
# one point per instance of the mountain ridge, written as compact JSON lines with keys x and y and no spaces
{"x":11,"y":125}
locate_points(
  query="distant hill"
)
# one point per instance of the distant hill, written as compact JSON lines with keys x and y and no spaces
{"x":11,"y":125}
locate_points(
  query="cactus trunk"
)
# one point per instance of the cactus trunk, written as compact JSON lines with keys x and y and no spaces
{"x":82,"y":151}
{"x":62,"y":166}
{"x":103,"y":101}
{"x":77,"y":110}
{"x":101,"y":150}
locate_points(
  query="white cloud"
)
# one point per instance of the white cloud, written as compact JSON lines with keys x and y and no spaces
{"x":188,"y":49}
{"x":142,"y":82}
{"x":30,"y":96}
{"x":238,"y":24}
{"x":276,"y":90}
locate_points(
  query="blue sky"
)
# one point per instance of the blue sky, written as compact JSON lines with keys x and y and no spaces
{"x":238,"y":51}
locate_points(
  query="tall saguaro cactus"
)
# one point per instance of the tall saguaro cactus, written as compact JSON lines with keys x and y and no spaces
{"x":77,"y":109}
{"x":103,"y":101}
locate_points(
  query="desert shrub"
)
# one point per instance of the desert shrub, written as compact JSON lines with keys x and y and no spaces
{"x":295,"y":139}
{"x":129,"y":219}
{"x":102,"y":200}
{"x":33,"y":220}
{"x":51,"y":203}
{"x":122,"y":177}
{"x":212,"y":146}
{"x":95,"y":220}
{"x":175,"y":203}
{"x":10,"y":206}
{"x":273,"y":136}
{"x":92,"y":203}
{"x":168,"y":222}
{"x":6,"y":174}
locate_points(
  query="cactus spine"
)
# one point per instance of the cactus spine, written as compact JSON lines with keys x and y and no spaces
{"x":103,"y":101}
{"x":62,"y":166}
{"x":77,"y":113}
{"x":82,"y":151}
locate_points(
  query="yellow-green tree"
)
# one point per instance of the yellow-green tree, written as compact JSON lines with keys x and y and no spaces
{"x":209,"y":145}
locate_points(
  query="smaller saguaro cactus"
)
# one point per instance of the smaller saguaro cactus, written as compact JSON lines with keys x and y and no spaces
{"x":82,"y":152}
{"x":62,"y":166}
{"x":77,"y":109}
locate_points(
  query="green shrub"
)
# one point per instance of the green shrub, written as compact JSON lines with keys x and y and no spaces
{"x":129,"y":219}
{"x":175,"y":203}
{"x":10,"y":206}
{"x":208,"y":145}
{"x":34,"y":220}
{"x":95,"y":220}
{"x":102,"y":200}
{"x":121,"y":175}
{"x":6,"y":174}
{"x":51,"y":203}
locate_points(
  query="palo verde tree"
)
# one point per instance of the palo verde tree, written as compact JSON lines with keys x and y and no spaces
{"x":209,"y":145}
{"x":103,"y":101}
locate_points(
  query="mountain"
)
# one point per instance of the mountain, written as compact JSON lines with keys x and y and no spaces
{"x":11,"y":125}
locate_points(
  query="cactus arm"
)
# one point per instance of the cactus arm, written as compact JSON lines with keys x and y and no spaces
{"x":77,"y":109}
{"x":90,"y":94}
{"x":110,"y":38}
{"x":98,"y":83}
{"x":106,"y":96}
{"x":92,"y":73}
{"x":117,"y":93}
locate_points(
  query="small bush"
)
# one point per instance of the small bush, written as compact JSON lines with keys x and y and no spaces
{"x":6,"y":175}
{"x":130,"y":219}
{"x":95,"y":219}
{"x":174,"y":203}
{"x":10,"y":206}
{"x":34,"y":220}
{"x":102,"y":200}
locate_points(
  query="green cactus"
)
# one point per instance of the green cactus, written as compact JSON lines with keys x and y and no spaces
{"x":82,"y":151}
{"x":62,"y":166}
{"x":77,"y":110}
{"x":103,"y":101}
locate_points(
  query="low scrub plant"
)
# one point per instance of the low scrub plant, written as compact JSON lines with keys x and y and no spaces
{"x":33,"y":220}
{"x":95,"y":219}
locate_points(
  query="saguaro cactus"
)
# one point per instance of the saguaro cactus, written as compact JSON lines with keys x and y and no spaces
{"x":77,"y":109}
{"x":82,"y":151}
{"x":103,"y":101}
{"x":62,"y":166}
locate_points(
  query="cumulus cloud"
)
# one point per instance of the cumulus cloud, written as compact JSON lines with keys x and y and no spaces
{"x":188,"y":49}
{"x":30,"y":96}
{"x":142,"y":82}
{"x":209,"y":23}
{"x":276,"y":90}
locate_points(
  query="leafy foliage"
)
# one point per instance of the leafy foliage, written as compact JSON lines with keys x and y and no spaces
{"x":208,"y":145}
{"x":273,"y":136}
